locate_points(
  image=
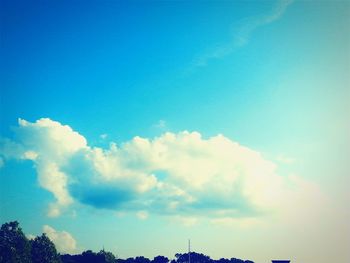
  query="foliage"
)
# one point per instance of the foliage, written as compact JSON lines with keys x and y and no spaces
{"x":106,"y":256}
{"x":160,"y":259}
{"x":14,"y":246}
{"x":44,"y":251}
{"x":182,"y":258}
{"x":90,"y":257}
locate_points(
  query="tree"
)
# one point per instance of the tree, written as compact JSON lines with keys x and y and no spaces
{"x":223,"y":260}
{"x":236,"y":260}
{"x":106,"y":256}
{"x":142,"y":259}
{"x":195,"y":258}
{"x":44,"y":251}
{"x":14,"y":246}
{"x":89,"y":256}
{"x":160,"y":259}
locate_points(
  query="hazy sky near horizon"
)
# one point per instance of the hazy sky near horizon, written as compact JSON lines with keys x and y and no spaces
{"x":136,"y":125}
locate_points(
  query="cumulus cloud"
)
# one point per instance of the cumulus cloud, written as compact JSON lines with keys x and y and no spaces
{"x":175,"y":174}
{"x":49,"y":145}
{"x":64,"y":241}
{"x":30,"y":236}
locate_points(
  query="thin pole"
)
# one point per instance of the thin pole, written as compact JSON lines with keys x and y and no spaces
{"x":189,"y":251}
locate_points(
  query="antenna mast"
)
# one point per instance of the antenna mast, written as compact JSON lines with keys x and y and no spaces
{"x":189,"y":251}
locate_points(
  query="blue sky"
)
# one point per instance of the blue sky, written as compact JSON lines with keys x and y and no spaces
{"x":223,"y":121}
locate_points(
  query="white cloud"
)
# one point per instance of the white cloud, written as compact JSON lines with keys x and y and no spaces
{"x":179,"y":174}
{"x":55,"y":139}
{"x":30,"y":236}
{"x":161,"y":124}
{"x":142,"y":215}
{"x":229,"y":221}
{"x":64,"y":241}
{"x":243,"y":33}
{"x":30,"y":155}
{"x":49,"y":145}
{"x":285,"y":159}
{"x":104,"y":136}
{"x":186,"y":221}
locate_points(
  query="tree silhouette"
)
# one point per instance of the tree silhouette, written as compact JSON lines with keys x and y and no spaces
{"x":14,"y":246}
{"x":106,"y":256}
{"x":160,"y":259}
{"x":195,"y":258}
{"x":89,"y":257}
{"x":44,"y":251}
{"x":142,"y":259}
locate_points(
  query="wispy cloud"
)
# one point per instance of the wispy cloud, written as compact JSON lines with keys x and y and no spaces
{"x":176,"y":174}
{"x":285,"y":159}
{"x":104,"y":136}
{"x":243,"y":34}
{"x":143,"y":215}
{"x":161,"y":125}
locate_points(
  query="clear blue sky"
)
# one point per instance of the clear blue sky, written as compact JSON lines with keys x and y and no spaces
{"x":272,"y":76}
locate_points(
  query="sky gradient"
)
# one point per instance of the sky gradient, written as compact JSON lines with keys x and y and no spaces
{"x":134,"y":126}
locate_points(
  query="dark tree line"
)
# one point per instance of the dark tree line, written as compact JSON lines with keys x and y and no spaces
{"x":15,"y":247}
{"x":90,"y":257}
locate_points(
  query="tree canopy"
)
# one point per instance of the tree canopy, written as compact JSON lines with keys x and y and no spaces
{"x":44,"y":251}
{"x":16,"y":248}
{"x":14,"y":245}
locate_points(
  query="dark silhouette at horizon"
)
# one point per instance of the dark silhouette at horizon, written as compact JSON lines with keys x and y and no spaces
{"x":15,"y":247}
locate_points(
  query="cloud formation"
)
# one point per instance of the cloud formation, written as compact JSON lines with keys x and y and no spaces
{"x":243,"y":33}
{"x":64,"y":241}
{"x":49,"y":145}
{"x":175,"y":174}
